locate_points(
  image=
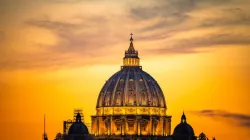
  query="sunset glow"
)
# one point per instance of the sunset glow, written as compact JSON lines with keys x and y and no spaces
{"x":57,"y":54}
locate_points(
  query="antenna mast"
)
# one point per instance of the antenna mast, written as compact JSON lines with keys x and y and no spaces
{"x":44,"y":130}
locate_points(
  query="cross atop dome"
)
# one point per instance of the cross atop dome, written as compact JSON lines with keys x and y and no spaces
{"x":131,"y":38}
{"x":131,"y":48}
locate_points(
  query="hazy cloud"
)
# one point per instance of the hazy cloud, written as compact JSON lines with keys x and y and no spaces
{"x":1,"y":37}
{"x":84,"y":36}
{"x":165,"y":9}
{"x":240,"y":119}
{"x":229,"y":16}
{"x":179,"y":14}
{"x":192,"y":45}
{"x":169,"y":22}
{"x":69,"y":1}
{"x":91,"y":35}
{"x":80,"y":42}
{"x":162,"y":8}
{"x":212,"y":40}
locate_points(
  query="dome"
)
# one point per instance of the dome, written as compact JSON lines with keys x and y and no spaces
{"x":131,"y":86}
{"x":131,"y":103}
{"x":78,"y":127}
{"x":183,"y":128}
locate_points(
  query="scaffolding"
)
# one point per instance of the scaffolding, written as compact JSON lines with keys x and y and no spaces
{"x":89,"y":127}
{"x":76,"y":111}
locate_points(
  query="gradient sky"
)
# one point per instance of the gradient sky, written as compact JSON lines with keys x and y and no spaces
{"x":57,"y":54}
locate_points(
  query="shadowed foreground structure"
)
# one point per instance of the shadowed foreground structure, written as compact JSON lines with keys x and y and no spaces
{"x":131,"y":105}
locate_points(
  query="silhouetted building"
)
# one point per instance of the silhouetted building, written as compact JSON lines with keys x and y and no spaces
{"x":75,"y":130}
{"x":184,"y":131}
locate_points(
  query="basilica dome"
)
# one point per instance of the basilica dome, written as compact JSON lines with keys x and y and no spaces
{"x":131,"y":87}
{"x":131,"y":103}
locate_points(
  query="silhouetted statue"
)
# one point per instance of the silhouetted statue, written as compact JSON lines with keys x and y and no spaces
{"x":202,"y":136}
{"x":59,"y":136}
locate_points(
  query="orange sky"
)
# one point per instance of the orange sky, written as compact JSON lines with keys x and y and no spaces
{"x":57,"y":54}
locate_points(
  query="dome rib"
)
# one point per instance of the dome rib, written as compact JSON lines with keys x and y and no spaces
{"x":147,"y":89}
{"x":116,"y":90}
{"x":103,"y":92}
{"x":136,"y":88}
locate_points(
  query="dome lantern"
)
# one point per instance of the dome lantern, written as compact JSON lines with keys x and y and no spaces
{"x":131,"y":55}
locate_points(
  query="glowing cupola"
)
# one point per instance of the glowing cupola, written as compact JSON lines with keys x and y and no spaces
{"x":131,"y":55}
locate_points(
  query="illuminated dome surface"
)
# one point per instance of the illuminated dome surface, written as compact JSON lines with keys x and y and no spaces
{"x":131,"y":90}
{"x":131,"y":103}
{"x":131,"y":86}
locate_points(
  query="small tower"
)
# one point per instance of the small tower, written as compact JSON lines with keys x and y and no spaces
{"x":45,"y":137}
